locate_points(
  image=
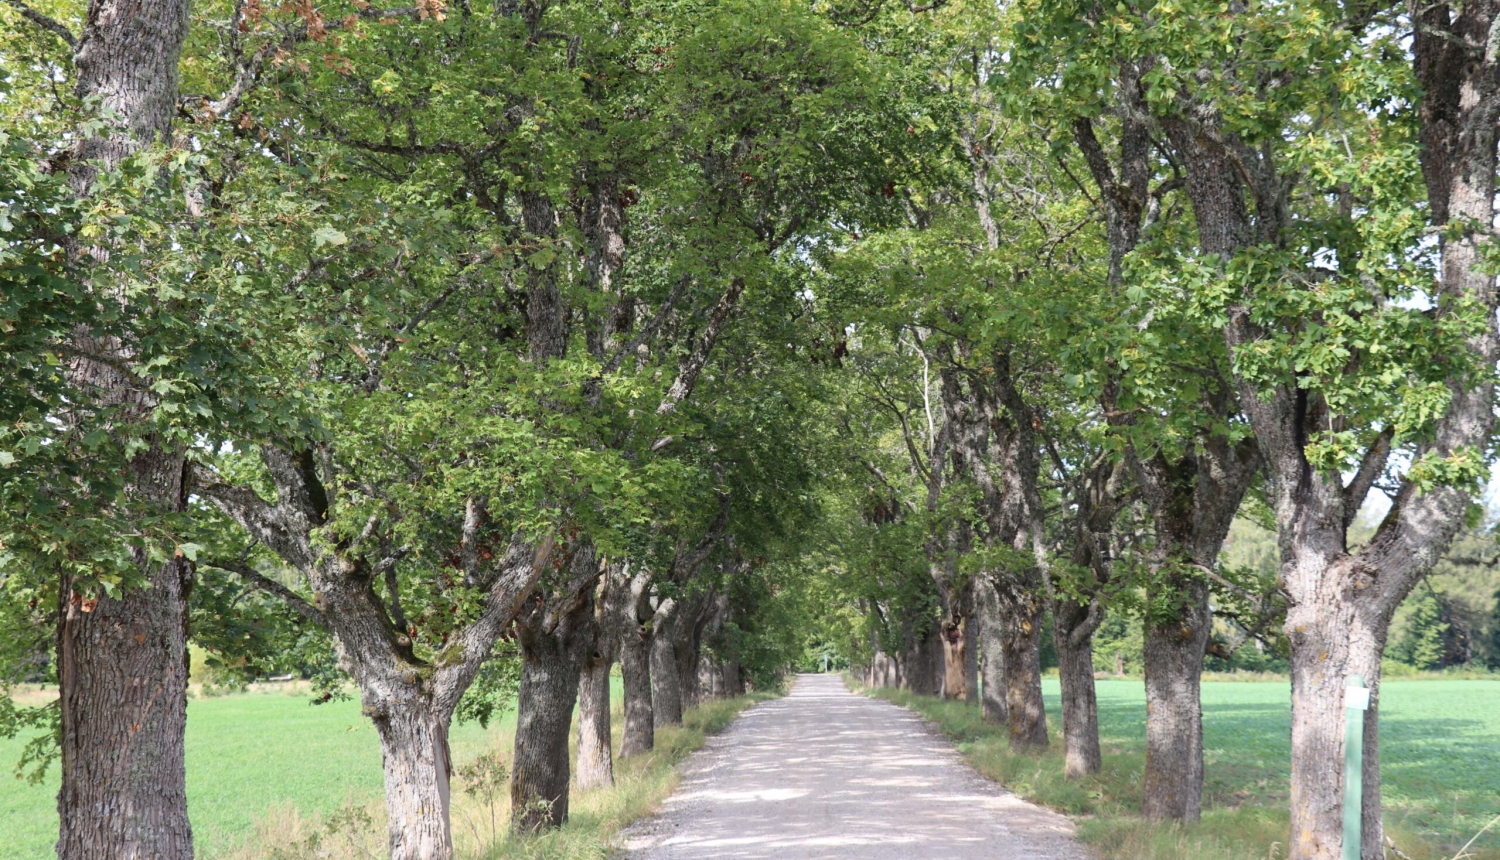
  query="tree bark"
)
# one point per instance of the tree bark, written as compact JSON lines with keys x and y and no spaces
{"x":123,"y":662}
{"x":1174,"y":649}
{"x":595,"y":757}
{"x":122,"y":685}
{"x":1073,"y":633}
{"x":666,"y":680}
{"x":614,"y":611}
{"x":551,"y":662}
{"x":992,"y":654}
{"x":687,"y":648}
{"x":734,"y":681}
{"x":1020,"y":639}
{"x":635,"y":671}
{"x":955,"y":684}
{"x":414,"y":752}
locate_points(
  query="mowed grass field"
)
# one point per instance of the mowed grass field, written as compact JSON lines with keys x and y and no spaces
{"x":249,"y":755}
{"x":1440,"y":751}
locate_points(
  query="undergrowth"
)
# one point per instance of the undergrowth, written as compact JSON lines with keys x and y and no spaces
{"x":1241,"y":820}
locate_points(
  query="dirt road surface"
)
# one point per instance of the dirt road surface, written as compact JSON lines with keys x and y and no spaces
{"x":824,"y":773}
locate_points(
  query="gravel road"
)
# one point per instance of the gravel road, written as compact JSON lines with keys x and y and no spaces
{"x":824,"y":773}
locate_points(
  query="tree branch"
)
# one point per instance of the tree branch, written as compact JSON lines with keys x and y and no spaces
{"x":693,"y":363}
{"x":51,"y":25}
{"x":1370,"y":468}
{"x":258,"y":580}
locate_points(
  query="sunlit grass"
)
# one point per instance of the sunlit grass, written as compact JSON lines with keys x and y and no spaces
{"x":267,"y":771}
{"x":1440,"y":757}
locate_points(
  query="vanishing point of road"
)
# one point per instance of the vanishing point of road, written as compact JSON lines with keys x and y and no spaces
{"x":824,"y":773}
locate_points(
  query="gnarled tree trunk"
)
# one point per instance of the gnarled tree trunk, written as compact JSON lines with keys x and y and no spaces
{"x":614,"y":610}
{"x":1020,"y":641}
{"x":595,"y":757}
{"x":992,"y":655}
{"x":414,"y":752}
{"x":666,"y":680}
{"x":551,"y":661}
{"x":1073,"y":633}
{"x":635,"y":672}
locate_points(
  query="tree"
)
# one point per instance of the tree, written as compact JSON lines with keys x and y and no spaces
{"x":1492,"y":637}
{"x":1423,"y":643}
{"x":1368,"y":377}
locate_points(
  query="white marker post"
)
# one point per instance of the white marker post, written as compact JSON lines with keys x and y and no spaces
{"x":1356,"y":702}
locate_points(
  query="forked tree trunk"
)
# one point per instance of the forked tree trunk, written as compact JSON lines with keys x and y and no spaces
{"x":635,"y":671}
{"x":551,"y":662}
{"x":122,"y":682}
{"x":595,"y":758}
{"x":1174,"y":649}
{"x":1073,"y":634}
{"x":1020,"y":640}
{"x":414,"y":752}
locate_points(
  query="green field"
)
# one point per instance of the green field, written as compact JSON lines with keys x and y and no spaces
{"x":250,"y":755}
{"x":1440,"y":751}
{"x":1440,"y":748}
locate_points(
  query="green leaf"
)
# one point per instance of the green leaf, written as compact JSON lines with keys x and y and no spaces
{"x":328,"y":236}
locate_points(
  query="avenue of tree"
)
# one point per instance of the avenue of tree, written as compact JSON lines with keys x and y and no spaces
{"x":453,"y":353}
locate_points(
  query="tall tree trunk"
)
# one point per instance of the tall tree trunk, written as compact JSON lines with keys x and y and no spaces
{"x":122,"y":685}
{"x":635,"y":672}
{"x":992,"y":655}
{"x":123,"y":662}
{"x":551,"y":661}
{"x":1073,"y":633}
{"x":614,"y":612}
{"x":1174,"y":649}
{"x":414,"y":750}
{"x":595,"y":759}
{"x":666,"y":680}
{"x":1020,"y":641}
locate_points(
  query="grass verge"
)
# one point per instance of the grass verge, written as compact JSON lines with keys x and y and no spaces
{"x":1245,"y":804}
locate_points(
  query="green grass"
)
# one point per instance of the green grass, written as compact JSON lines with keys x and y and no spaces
{"x":1440,"y":751}
{"x":268,"y":770}
{"x":247,"y":754}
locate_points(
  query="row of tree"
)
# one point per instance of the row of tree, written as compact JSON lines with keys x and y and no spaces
{"x":408,"y":332}
{"x":1182,"y":263}
{"x":368,"y":338}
